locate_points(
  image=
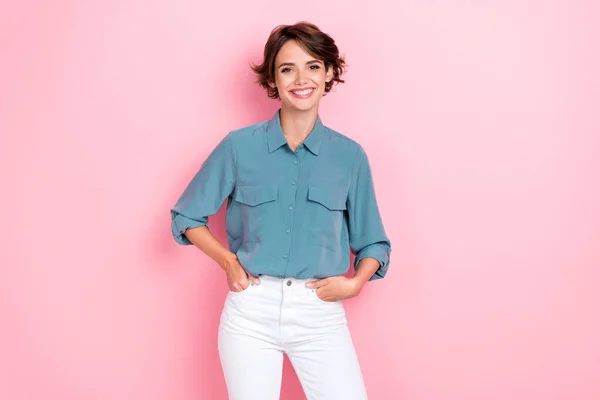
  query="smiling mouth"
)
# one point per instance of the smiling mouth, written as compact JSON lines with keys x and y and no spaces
{"x":303,"y":94}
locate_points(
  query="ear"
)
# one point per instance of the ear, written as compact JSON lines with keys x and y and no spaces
{"x":272,"y":85}
{"x":329,"y":75}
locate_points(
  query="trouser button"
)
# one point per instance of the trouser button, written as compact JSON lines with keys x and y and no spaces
{"x":289,"y":283}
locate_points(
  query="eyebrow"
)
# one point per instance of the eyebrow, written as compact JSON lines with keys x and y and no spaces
{"x":292,"y":64}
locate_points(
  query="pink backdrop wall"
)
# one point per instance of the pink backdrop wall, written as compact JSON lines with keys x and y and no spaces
{"x":482,"y":124}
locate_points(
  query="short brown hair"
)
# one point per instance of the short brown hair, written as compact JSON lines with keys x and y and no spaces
{"x":315,"y":42}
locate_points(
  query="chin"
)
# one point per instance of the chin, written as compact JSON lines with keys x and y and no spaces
{"x":302,"y":105}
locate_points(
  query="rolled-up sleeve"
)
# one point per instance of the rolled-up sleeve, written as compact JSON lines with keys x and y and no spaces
{"x":366,"y":230}
{"x":206,"y":192}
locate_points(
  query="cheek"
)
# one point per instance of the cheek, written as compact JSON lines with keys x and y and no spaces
{"x":320,"y":79}
{"x":284,"y":81}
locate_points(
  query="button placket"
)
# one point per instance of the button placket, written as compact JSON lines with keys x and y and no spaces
{"x":291,"y":207}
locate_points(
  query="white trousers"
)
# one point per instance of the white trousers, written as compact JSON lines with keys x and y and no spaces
{"x":282,"y":315}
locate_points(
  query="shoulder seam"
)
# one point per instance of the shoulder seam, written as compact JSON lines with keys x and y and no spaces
{"x":230,"y":140}
{"x":339,"y":135}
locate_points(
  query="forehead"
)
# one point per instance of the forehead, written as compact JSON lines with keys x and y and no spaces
{"x":291,"y":51}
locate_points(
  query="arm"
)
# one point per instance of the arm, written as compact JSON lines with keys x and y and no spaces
{"x":206,"y":192}
{"x":237,"y":276}
{"x":203,"y":197}
{"x":368,"y":240}
{"x":203,"y":239}
{"x":365,"y":270}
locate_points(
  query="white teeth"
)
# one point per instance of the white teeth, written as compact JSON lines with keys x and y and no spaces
{"x":303,"y":92}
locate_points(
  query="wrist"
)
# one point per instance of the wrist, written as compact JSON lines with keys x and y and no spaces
{"x":227,"y":260}
{"x":358,"y":282}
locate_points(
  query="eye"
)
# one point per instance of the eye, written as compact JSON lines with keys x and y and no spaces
{"x":315,"y":67}
{"x":285,"y":70}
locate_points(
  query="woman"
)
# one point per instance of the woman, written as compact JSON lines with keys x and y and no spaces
{"x":300,"y":198}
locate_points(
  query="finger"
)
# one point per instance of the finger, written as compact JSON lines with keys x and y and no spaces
{"x":318,"y":283}
{"x":254,"y":279}
{"x":241,"y":286}
{"x":324,"y":296}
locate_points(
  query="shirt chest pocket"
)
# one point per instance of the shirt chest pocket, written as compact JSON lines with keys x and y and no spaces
{"x":329,"y":197}
{"x":254,"y":195}
{"x":325,"y":213}
{"x":257,"y":210}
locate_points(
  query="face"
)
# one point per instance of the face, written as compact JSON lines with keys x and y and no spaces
{"x":299,"y":77}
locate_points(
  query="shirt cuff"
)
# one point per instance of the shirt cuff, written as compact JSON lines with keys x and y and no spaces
{"x":379,"y":252}
{"x":180,"y":223}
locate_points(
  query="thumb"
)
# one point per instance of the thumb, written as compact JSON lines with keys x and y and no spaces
{"x":253,"y":278}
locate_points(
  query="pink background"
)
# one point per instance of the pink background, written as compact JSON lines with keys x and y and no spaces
{"x":481,"y":120}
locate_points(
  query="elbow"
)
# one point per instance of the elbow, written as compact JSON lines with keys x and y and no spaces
{"x":181,"y":223}
{"x":381,"y":252}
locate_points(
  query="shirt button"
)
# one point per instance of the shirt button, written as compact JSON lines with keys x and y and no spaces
{"x":287,"y":231}
{"x":289,"y":283}
{"x":293,"y":182}
{"x":285,"y":256}
{"x":290,"y":208}
{"x":295,"y":161}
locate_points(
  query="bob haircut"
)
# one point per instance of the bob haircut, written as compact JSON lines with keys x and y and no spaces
{"x":315,"y":42}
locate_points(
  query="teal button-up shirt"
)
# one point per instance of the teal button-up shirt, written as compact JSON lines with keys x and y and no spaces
{"x":289,"y":214}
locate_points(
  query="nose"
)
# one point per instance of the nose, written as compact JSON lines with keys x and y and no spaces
{"x":300,"y":78}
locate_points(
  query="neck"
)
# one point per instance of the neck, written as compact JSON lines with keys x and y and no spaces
{"x":297,"y":125}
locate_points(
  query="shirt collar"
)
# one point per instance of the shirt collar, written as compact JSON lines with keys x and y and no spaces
{"x":276,"y":139}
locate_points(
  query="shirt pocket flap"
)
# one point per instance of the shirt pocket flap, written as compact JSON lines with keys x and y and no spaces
{"x":328,"y":196}
{"x":254,"y":195}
